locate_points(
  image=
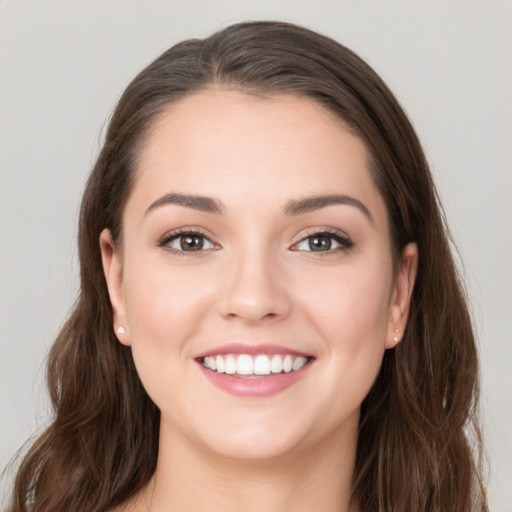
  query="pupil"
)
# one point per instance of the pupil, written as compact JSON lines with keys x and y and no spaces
{"x":320,"y":243}
{"x":192,"y":242}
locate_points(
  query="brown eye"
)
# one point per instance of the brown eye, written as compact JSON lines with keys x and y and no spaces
{"x":324,"y":242}
{"x":187,"y":242}
{"x":320,"y":243}
{"x":191,"y":242}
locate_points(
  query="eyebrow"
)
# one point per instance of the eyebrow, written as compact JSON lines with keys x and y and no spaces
{"x":292,"y":208}
{"x":310,"y":204}
{"x":202,"y":203}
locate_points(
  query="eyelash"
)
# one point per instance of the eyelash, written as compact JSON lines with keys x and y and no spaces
{"x":345,"y":243}
{"x":170,"y":237}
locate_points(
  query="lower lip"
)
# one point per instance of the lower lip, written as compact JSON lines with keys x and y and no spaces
{"x":254,"y":387}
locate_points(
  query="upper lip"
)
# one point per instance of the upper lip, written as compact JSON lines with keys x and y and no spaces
{"x":250,"y":349}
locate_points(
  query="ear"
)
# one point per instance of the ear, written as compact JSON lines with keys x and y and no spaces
{"x":402,"y":293}
{"x":113,"y":270}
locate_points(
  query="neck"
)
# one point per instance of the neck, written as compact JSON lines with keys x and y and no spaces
{"x":316,"y":478}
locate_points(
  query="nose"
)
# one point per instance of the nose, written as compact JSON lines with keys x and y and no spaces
{"x":255,"y":290}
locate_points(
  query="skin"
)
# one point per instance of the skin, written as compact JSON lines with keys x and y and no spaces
{"x":257,"y":282}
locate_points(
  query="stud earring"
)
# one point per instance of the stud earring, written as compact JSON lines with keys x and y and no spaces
{"x":120,"y":330}
{"x":396,"y":337}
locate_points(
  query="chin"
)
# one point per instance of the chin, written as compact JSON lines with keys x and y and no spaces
{"x":249,"y":436}
{"x":253,"y":448}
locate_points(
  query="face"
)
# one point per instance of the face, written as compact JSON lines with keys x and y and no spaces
{"x":255,"y":282}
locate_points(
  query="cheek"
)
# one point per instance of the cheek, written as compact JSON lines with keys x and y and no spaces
{"x":351,"y":302}
{"x":350,"y":309}
{"x":164,"y":308}
{"x":164,"y":311}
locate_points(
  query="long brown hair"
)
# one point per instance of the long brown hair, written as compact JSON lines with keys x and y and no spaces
{"x":419,"y":443}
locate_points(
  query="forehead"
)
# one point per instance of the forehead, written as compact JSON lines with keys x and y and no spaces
{"x":245,"y":148}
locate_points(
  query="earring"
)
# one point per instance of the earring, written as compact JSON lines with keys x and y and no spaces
{"x":120,"y":330}
{"x":396,"y":337}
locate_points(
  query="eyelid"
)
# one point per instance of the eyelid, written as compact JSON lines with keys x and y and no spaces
{"x":176,"y":233}
{"x":339,"y":236}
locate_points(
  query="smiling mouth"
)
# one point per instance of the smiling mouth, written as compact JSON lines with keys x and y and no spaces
{"x":247,"y":366}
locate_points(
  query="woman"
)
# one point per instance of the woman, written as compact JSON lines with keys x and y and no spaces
{"x":269,"y":314}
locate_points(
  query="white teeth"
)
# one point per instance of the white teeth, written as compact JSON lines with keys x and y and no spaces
{"x":263,"y":364}
{"x":298,"y":363}
{"x":244,"y":365}
{"x":230,"y":364}
{"x":276,"y":365}
{"x":287,"y":364}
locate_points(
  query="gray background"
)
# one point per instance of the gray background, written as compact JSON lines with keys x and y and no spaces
{"x":62,"y":66}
